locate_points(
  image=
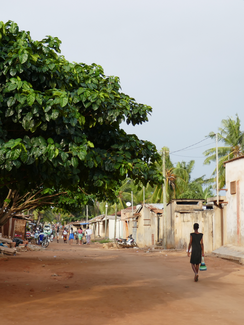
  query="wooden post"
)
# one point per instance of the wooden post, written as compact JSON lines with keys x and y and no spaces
{"x":86,"y":214}
{"x":106,"y":213}
{"x":10,"y":227}
{"x":115,"y":222}
{"x":217,"y":170}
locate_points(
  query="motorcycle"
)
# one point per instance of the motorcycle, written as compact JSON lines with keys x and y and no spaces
{"x":129,"y":242}
{"x":41,"y":239}
{"x":30,"y":237}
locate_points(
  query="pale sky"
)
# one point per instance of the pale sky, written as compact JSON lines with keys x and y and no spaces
{"x":182,"y":57}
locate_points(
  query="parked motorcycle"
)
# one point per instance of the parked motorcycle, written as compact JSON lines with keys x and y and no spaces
{"x":30,"y":237}
{"x":41,"y":239}
{"x":129,"y":242}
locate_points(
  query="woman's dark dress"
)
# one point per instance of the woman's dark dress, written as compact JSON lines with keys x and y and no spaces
{"x":196,"y":253}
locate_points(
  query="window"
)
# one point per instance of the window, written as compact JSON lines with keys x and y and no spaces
{"x":233,"y":187}
{"x":187,"y":203}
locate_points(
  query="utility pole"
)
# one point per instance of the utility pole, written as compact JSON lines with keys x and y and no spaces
{"x":86,"y":214}
{"x":143,"y":195}
{"x":132,"y":208}
{"x":217,"y":170}
{"x":164,"y":202}
{"x":115,"y":222}
{"x":106,"y":213}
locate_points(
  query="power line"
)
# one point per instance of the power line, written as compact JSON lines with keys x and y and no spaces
{"x":192,"y":145}
{"x":188,"y":156}
{"x":200,"y":146}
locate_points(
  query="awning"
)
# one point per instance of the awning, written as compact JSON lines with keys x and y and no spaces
{"x":84,"y":223}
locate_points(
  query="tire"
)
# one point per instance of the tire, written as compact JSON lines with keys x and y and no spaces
{"x":45,"y":243}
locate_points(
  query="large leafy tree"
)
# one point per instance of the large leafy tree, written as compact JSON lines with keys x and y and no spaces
{"x":232,"y":139}
{"x":60,"y":126}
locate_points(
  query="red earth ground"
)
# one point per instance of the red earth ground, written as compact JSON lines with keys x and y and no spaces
{"x":91,"y":285}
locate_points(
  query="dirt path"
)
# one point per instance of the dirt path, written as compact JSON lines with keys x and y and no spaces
{"x":90,"y":285}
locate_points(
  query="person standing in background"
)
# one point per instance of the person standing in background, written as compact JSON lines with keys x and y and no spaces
{"x":57,"y":233}
{"x":88,"y":235}
{"x":80,"y":236}
{"x":71,"y":236}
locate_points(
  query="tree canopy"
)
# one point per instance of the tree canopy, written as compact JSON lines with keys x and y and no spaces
{"x":60,"y":123}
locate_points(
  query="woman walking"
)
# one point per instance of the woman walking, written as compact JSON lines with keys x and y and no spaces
{"x":196,"y":242}
{"x":71,"y":236}
{"x":80,"y":236}
{"x":65,"y":234}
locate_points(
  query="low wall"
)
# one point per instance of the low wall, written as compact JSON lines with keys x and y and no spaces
{"x":210,"y":224}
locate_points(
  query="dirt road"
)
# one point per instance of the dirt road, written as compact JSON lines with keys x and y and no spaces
{"x":90,"y":285}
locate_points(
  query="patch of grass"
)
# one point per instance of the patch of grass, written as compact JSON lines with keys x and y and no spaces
{"x":102,"y":241}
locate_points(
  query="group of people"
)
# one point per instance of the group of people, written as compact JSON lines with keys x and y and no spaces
{"x":81,"y":235}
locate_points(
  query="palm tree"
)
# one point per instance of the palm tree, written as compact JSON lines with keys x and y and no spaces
{"x":232,"y":137}
{"x":179,"y":184}
{"x":177,"y":179}
{"x":124,"y":196}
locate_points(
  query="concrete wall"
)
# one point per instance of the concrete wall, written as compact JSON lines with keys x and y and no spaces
{"x":235,"y":208}
{"x":180,"y":221}
{"x":119,"y":228}
{"x":98,"y":229}
{"x":210,"y":224}
{"x":147,"y":228}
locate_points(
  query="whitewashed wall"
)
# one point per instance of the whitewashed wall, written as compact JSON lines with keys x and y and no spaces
{"x":235,"y":208}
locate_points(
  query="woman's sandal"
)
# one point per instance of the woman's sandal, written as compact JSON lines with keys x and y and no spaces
{"x":196,"y":278}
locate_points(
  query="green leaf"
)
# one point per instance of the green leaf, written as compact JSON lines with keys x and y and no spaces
{"x":47,"y":108}
{"x":10,"y":103}
{"x":90,"y":163}
{"x":17,"y":163}
{"x":23,"y":58}
{"x":54,"y":114}
{"x":34,"y":128}
{"x":74,"y":162}
{"x":12,"y":86}
{"x":9,"y":112}
{"x":117,"y":166}
{"x":13,"y":71}
{"x":98,"y":183}
{"x":30,"y":99}
{"x":64,"y":156}
{"x":90,"y":144}
{"x":81,"y":120}
{"x":50,"y":141}
{"x":56,"y":152}
{"x":15,"y":154}
{"x":19,"y":84}
{"x":39,"y":99}
{"x":63,"y":101}
{"x":8,"y":165}
{"x":81,"y":90}
{"x":82,"y":154}
{"x":34,"y":57}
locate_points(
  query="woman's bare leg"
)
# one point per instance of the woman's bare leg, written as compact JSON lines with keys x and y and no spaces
{"x":194,"y":268}
{"x":197,"y":268}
